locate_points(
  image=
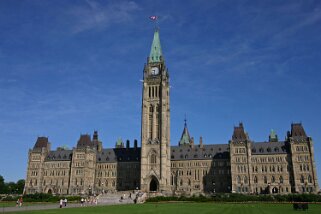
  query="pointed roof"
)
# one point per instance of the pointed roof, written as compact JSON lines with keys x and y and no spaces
{"x":185,"y":139}
{"x":84,"y":141}
{"x":156,"y":49}
{"x":273,"y":137}
{"x":297,"y":131}
{"x":239,"y":133}
{"x":41,"y":142}
{"x":119,"y":143}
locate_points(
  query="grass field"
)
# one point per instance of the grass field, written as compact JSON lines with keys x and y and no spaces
{"x":186,"y":208}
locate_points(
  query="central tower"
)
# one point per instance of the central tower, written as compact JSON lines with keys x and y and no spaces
{"x":155,"y":130}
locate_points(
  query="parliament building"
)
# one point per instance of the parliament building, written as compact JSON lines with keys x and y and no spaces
{"x":239,"y":166}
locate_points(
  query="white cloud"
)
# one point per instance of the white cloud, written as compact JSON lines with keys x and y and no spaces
{"x":307,"y":19}
{"x":97,"y":16}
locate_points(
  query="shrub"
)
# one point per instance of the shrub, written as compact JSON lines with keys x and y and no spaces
{"x":235,"y":197}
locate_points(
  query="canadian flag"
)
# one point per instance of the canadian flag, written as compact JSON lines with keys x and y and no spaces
{"x":153,"y":18}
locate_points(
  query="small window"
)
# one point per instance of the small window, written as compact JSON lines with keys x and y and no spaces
{"x":268,"y":149}
{"x":265,"y":179}
{"x":238,"y":178}
{"x":273,"y":179}
{"x":153,"y":159}
{"x":255,"y":179}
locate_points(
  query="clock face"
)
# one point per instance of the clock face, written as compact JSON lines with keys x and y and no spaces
{"x":155,"y":70}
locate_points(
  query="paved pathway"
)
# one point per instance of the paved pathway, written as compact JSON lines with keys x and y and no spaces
{"x":55,"y":206}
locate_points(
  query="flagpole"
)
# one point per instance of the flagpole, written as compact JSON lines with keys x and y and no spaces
{"x":156,"y":23}
{"x":154,"y":19}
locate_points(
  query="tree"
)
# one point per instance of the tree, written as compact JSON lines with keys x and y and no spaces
{"x":2,"y":185}
{"x":11,"y":188}
{"x":20,"y":186}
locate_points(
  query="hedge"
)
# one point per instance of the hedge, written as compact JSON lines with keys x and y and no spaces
{"x":41,"y":197}
{"x":234,"y":197}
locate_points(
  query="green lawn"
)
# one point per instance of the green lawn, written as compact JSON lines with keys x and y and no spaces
{"x":186,"y":208}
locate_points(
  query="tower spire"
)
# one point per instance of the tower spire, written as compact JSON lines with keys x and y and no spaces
{"x":156,"y":49}
{"x":185,"y":138}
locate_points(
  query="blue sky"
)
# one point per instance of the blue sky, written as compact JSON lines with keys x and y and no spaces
{"x":72,"y":67}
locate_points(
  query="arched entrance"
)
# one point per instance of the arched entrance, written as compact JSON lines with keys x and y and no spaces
{"x":153,"y":185}
{"x":50,"y":192}
{"x":275,"y":190}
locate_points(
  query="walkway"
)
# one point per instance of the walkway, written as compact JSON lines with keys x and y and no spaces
{"x":56,"y":206}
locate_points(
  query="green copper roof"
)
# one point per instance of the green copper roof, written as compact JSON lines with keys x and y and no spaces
{"x":156,"y":49}
{"x":185,"y":139}
{"x":119,"y":142}
{"x":273,"y":136}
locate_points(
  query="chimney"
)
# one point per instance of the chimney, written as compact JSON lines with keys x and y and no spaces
{"x":95,"y":136}
{"x":135,"y":144}
{"x":201,"y":142}
{"x":192,"y":142}
{"x":127,"y":144}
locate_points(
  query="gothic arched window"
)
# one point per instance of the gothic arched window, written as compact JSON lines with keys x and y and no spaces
{"x":245,"y":179}
{"x":309,"y":179}
{"x":302,"y":179}
{"x":273,"y":179}
{"x":153,"y":159}
{"x":255,"y":179}
{"x":238,"y":179}
{"x":281,"y":180}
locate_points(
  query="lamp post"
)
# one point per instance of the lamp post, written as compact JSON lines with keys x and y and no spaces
{"x":213,"y":188}
{"x":103,"y":191}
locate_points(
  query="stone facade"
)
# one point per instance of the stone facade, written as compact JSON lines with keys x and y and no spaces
{"x":241,"y":165}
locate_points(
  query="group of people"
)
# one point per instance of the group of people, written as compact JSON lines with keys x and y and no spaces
{"x":19,"y":202}
{"x":63,"y":202}
{"x":92,"y":200}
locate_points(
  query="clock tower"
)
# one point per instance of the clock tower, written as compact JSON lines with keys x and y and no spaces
{"x":155,"y":129}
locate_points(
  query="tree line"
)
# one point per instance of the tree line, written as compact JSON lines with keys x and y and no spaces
{"x":11,"y":187}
